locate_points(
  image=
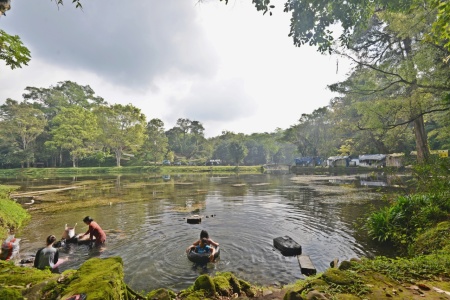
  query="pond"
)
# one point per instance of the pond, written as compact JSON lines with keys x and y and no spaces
{"x":145,"y":217}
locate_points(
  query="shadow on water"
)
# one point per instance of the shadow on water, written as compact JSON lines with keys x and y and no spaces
{"x":145,"y":219}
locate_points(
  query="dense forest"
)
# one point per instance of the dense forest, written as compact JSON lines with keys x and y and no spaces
{"x":69,"y":125}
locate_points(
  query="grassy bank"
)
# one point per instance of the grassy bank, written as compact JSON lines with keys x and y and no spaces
{"x":12,"y":215}
{"x":57,"y":172}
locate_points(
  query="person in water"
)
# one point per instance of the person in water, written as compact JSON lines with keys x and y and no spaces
{"x":94,"y":230}
{"x":203,"y":234}
{"x":203,"y":247}
{"x":48,"y":256}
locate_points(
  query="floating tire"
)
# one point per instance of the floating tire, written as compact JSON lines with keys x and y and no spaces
{"x":201,"y":258}
{"x":287,"y":246}
{"x":195,"y":219}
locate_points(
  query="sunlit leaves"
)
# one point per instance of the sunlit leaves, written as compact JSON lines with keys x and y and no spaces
{"x":12,"y":51}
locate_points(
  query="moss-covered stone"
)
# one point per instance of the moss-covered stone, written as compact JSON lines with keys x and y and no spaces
{"x":98,"y":279}
{"x":161,"y":294}
{"x":10,"y":294}
{"x":337,"y":277}
{"x":233,"y":281}
{"x":205,"y":282}
{"x":223,"y":286}
{"x":247,"y":288}
{"x":345,"y":265}
{"x":293,"y":295}
{"x":434,"y":239}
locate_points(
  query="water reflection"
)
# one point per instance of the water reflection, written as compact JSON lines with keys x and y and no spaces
{"x":146,"y":223}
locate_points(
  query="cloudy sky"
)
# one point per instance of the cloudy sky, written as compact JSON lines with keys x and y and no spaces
{"x":227,"y":66}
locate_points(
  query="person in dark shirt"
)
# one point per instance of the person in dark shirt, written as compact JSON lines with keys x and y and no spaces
{"x":48,"y":256}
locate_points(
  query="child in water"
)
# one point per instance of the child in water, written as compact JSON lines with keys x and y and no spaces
{"x":203,"y":247}
{"x":203,"y":235}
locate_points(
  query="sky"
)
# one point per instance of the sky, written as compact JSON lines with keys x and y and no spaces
{"x":227,"y":66}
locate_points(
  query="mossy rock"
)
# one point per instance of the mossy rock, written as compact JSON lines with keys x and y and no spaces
{"x":194,"y":295}
{"x":223,"y":286}
{"x":434,"y":239}
{"x":317,"y":284}
{"x":233,"y":281}
{"x":161,"y":294}
{"x":345,"y":265}
{"x":337,"y":277}
{"x":247,"y":288}
{"x":10,"y":294}
{"x":205,"y":282}
{"x":27,"y":281}
{"x":98,"y":279}
{"x":293,"y":295}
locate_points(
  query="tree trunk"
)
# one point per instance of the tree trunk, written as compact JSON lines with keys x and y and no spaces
{"x":421,"y":140}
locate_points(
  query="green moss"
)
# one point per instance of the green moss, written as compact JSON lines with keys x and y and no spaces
{"x":205,"y":282}
{"x":17,"y":276}
{"x":432,"y":240}
{"x":232,"y":280}
{"x":293,"y":295}
{"x":223,"y":286}
{"x":247,"y":288}
{"x":12,"y":215}
{"x":337,"y":277}
{"x":161,"y":294}
{"x":98,"y":279}
{"x":10,"y":294}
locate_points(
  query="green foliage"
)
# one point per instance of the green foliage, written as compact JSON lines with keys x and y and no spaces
{"x":433,"y":177}
{"x":12,"y":215}
{"x":406,"y":217}
{"x":406,"y":269}
{"x":432,"y":240}
{"x":12,"y":51}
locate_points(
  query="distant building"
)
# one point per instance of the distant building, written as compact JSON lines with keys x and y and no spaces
{"x":308,"y":161}
{"x":372,"y":160}
{"x":213,"y":162}
{"x":338,"y":161}
{"x":395,"y":160}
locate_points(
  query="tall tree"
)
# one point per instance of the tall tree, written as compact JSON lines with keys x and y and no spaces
{"x":187,"y":138}
{"x":21,"y":123}
{"x":74,"y":129}
{"x":237,"y":151}
{"x":123,"y":129}
{"x":156,"y":143}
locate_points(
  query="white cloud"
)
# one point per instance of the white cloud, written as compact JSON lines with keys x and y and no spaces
{"x":226,"y":66}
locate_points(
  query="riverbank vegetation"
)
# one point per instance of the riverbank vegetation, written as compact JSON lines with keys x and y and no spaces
{"x":12,"y":215}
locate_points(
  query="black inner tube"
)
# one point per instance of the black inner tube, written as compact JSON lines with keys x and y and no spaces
{"x":201,"y":258}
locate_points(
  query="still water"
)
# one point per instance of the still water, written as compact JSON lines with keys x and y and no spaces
{"x":146,"y":222}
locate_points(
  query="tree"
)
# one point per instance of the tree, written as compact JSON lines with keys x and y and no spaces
{"x":187,"y":138}
{"x":12,"y":50}
{"x":401,"y":77}
{"x":314,"y":22}
{"x":74,"y":129}
{"x":313,"y":134}
{"x":237,"y":151}
{"x":123,"y":128}
{"x":21,"y":123}
{"x":156,"y":143}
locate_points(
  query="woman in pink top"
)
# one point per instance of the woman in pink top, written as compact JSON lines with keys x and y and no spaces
{"x":94,"y":231}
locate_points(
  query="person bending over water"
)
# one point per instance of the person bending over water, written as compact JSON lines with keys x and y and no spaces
{"x":203,"y":235}
{"x":94,"y":231}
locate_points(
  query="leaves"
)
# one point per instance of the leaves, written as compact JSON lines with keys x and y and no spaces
{"x":12,"y":51}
